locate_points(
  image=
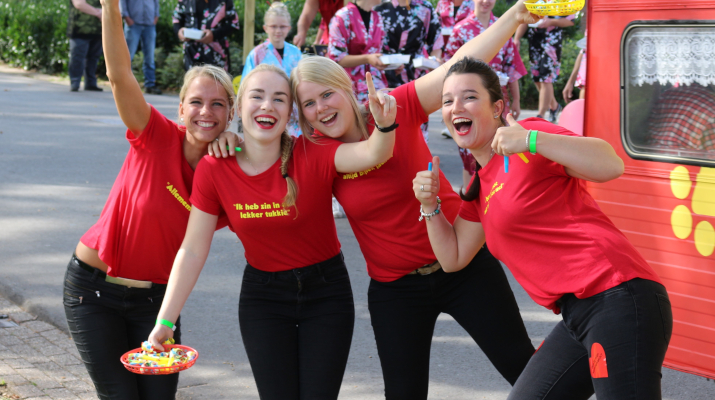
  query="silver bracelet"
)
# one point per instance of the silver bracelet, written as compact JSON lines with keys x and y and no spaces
{"x":427,"y":216}
{"x":528,"y":136}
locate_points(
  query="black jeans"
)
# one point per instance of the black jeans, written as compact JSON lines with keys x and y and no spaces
{"x":107,"y":320}
{"x":404,"y":313}
{"x":632,"y":322}
{"x":297,"y":327}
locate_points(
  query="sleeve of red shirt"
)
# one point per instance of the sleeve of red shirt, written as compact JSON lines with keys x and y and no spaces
{"x":547,"y":127}
{"x":410,"y":114}
{"x":155,"y":136}
{"x":203,"y":194}
{"x":320,"y":154}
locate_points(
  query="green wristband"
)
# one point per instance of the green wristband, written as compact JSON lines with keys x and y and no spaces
{"x":166,"y":323}
{"x":532,"y":141}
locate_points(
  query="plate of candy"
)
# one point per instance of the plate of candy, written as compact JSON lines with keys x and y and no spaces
{"x":149,"y":361}
{"x":554,"y":8}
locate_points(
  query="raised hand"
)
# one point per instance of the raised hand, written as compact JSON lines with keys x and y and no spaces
{"x":426,"y":186}
{"x":382,"y":106}
{"x":510,"y":139}
{"x":523,"y":15}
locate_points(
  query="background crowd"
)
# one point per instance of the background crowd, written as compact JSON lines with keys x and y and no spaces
{"x":33,"y":37}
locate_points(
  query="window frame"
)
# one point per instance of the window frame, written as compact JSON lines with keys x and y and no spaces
{"x":627,"y":146}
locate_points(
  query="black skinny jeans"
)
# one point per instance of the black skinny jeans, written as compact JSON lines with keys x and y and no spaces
{"x":107,"y":320}
{"x":404,"y":313}
{"x":297,"y":327}
{"x":631,"y":322}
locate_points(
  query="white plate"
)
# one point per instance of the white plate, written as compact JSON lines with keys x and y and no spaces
{"x":193,"y":34}
{"x":447,"y":31}
{"x":395,"y":59}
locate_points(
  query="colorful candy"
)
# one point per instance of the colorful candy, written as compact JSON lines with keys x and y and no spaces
{"x":149,"y":357}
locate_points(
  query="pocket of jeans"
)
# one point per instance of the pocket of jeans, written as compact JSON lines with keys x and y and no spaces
{"x":256,"y":278}
{"x":666,"y":315}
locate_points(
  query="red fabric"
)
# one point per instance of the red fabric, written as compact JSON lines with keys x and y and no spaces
{"x":683,"y":118}
{"x":144,"y":220}
{"x":548,"y":230}
{"x":381,"y":206}
{"x":275,"y":239}
{"x":327,"y":9}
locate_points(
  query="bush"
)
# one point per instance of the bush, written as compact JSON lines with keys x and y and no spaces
{"x":33,"y":34}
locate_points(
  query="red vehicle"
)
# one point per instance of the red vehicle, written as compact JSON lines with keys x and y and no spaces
{"x":651,"y":94}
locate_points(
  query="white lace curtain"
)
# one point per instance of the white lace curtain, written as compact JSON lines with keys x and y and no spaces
{"x":679,"y":56}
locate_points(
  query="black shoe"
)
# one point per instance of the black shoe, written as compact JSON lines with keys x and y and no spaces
{"x":539,"y":116}
{"x":152,"y":90}
{"x":554,"y":114}
{"x":93,"y":89}
{"x":74,"y":89}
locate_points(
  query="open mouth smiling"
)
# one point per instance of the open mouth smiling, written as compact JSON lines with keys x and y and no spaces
{"x":462,"y":125}
{"x":329,"y":118}
{"x":265,"y":121}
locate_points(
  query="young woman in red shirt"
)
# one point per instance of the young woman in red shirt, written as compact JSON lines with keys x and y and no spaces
{"x":296,"y":308}
{"x":408,"y":290}
{"x":528,"y":202}
{"x":117,"y":277}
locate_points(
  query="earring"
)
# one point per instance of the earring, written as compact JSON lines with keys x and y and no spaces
{"x":181,"y":120}
{"x":496,"y":116}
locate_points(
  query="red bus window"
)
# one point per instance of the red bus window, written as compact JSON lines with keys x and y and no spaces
{"x":668,"y":92}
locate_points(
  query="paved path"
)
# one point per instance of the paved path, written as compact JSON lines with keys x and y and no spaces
{"x":39,"y":361}
{"x":60,"y":153}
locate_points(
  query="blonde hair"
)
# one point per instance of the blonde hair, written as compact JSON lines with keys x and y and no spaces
{"x":219,"y":75}
{"x":277,"y":9}
{"x":324,"y":71}
{"x":287,"y":141}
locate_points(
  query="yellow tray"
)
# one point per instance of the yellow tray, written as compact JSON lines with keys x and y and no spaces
{"x":554,"y":9}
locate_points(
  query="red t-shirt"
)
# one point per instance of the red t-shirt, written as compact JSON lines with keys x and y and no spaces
{"x":381,"y":206}
{"x":275,"y":239}
{"x":549,"y":231}
{"x":144,"y":220}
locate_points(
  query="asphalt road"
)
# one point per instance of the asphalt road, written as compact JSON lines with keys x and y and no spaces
{"x":60,"y":153}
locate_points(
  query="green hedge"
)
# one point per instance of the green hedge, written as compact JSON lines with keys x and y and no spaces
{"x":33,"y":36}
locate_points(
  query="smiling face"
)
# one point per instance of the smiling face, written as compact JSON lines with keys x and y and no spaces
{"x":265,"y":105}
{"x":468,"y":111}
{"x":205,"y":109}
{"x":277,"y":28}
{"x":326,"y":109}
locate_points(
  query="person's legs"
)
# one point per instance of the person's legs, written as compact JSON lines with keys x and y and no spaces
{"x":78,"y":56}
{"x":90,"y":70}
{"x":94,"y":317}
{"x":626,"y":330}
{"x":403,"y":317}
{"x":481,"y":301}
{"x":546,"y":96}
{"x":143,"y":308}
{"x":266,"y":314}
{"x":325,"y":329}
{"x":132,"y":34}
{"x":557,"y":371}
{"x":148,"y":37}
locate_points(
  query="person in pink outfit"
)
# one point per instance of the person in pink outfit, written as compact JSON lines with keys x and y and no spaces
{"x":356,"y":35}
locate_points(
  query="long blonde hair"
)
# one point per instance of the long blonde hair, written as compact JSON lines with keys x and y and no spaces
{"x":324,"y":71}
{"x":287,"y":141}
{"x":219,"y":75}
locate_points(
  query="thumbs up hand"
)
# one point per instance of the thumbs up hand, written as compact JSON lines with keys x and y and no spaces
{"x":510,"y":139}
{"x":426,"y":186}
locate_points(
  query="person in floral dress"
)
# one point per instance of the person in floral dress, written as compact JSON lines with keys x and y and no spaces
{"x":275,"y":51}
{"x":545,"y":42}
{"x":412,"y":27}
{"x":507,"y":63}
{"x":452,"y":11}
{"x":356,"y":37}
{"x":217,"y":18}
